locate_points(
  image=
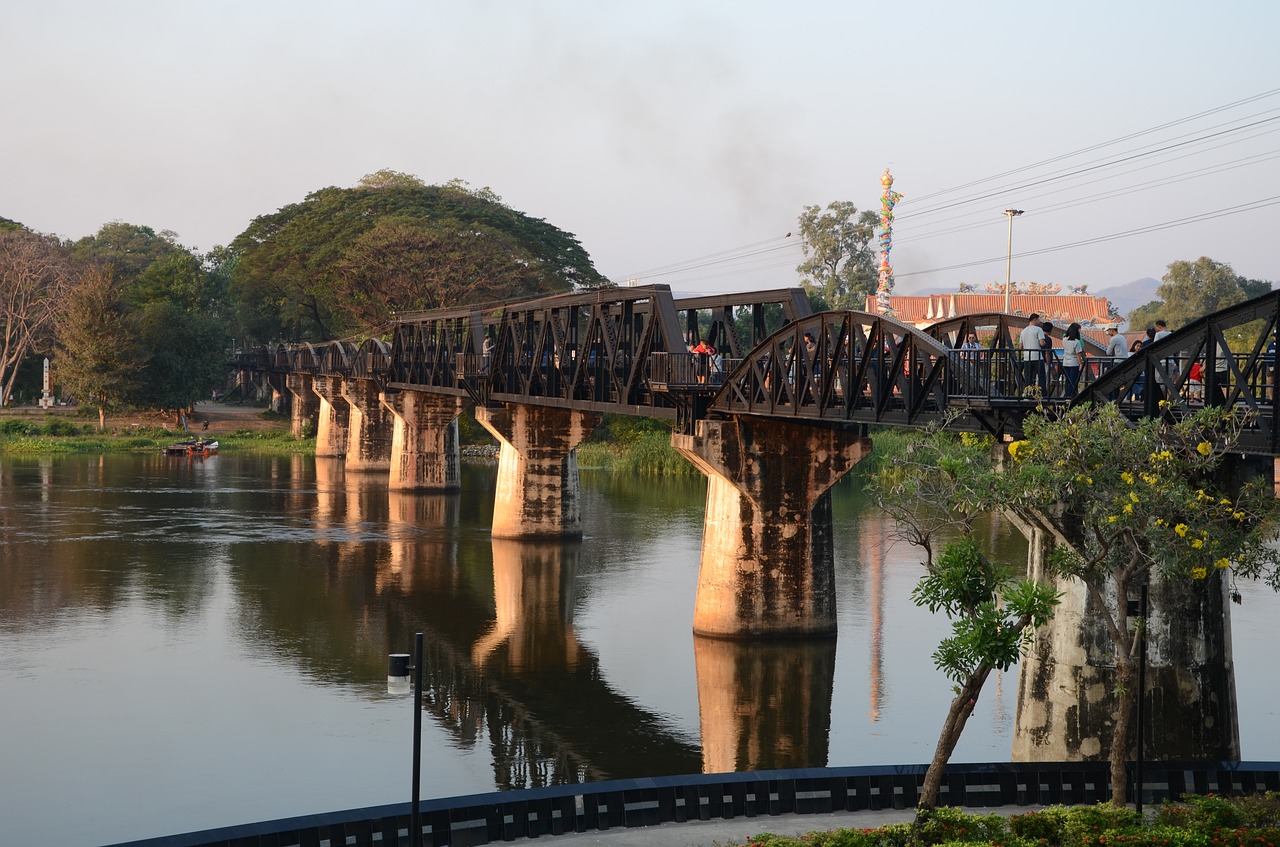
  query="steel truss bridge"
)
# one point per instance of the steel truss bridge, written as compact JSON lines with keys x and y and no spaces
{"x":627,"y":351}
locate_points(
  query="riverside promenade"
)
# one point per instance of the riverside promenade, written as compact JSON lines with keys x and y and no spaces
{"x":727,"y":808}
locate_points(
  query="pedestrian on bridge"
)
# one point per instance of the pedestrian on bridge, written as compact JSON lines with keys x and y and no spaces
{"x":1072,"y":359}
{"x":1031,"y":340}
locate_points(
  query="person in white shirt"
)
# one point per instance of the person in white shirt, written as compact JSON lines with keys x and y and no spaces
{"x":1162,"y":329}
{"x":1031,"y":340}
{"x":1117,"y":344}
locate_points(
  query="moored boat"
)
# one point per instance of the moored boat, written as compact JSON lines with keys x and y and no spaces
{"x":192,"y":447}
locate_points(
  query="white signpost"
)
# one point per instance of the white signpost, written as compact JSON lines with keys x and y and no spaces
{"x":46,"y":400}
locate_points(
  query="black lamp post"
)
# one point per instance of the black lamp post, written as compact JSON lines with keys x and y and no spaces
{"x":398,"y":668}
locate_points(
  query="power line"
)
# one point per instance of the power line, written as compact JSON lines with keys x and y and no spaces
{"x":1219,"y":213}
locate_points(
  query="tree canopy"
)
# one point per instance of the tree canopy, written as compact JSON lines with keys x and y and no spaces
{"x":839,"y":269}
{"x":345,"y":260}
{"x":34,"y":275}
{"x":1191,"y":290}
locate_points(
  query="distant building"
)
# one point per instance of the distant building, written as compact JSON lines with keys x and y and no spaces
{"x":921,"y":310}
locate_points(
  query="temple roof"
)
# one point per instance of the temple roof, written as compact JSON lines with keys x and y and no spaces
{"x":1060,"y":308}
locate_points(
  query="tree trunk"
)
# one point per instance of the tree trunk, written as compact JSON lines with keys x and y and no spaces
{"x":102,"y":419}
{"x":952,"y":727}
{"x":1125,"y":682}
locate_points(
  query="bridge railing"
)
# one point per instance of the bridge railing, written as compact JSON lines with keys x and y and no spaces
{"x":688,"y":371}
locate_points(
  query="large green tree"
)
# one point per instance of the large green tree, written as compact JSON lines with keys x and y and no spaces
{"x":98,"y":351}
{"x":839,"y":269}
{"x":345,"y":259}
{"x":1191,"y":290}
{"x":176,"y":302}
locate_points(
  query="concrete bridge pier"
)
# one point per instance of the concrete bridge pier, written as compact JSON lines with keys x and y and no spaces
{"x":369,"y":427}
{"x":767,"y":568}
{"x":333,"y":420}
{"x":538,"y":492}
{"x":304,"y":405}
{"x":1066,"y":681}
{"x":425,"y":453}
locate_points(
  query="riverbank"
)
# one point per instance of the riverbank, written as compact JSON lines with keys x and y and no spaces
{"x":67,"y":429}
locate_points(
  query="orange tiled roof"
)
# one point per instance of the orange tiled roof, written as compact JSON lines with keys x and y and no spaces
{"x":930,"y":308}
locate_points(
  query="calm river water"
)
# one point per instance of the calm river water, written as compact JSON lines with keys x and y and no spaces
{"x":190,"y":644}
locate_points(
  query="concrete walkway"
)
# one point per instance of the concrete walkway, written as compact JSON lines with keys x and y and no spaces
{"x":734,"y":830}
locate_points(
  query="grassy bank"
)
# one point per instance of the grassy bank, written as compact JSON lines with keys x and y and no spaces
{"x":25,"y":436}
{"x":1208,"y":821}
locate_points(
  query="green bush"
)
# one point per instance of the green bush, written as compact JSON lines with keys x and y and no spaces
{"x":1070,"y":825}
{"x":944,"y":824}
{"x":13,"y":426}
{"x":1209,"y":813}
{"x":1155,"y":836}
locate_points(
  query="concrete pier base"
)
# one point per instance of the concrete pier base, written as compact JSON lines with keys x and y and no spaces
{"x":304,"y":405}
{"x":369,"y":427}
{"x":1066,"y":682}
{"x":767,"y":568}
{"x":424,"y":442}
{"x":537,"y":494}
{"x":333,"y":420}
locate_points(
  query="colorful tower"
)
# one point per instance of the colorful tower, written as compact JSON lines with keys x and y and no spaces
{"x":888,"y":200}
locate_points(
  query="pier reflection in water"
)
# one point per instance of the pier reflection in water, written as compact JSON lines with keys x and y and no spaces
{"x":193,"y":644}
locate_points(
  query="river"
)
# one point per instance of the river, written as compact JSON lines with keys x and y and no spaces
{"x":187,"y":644}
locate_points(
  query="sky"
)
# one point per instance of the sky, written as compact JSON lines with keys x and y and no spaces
{"x":679,"y":141}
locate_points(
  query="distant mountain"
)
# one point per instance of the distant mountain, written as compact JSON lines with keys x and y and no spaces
{"x":1131,"y":295}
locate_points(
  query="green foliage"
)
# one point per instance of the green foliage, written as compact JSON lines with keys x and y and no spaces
{"x":1210,"y":813}
{"x":627,"y":429}
{"x":1150,"y":495}
{"x":1190,"y":290}
{"x":945,"y":824}
{"x":1059,"y":826}
{"x":1103,"y":825}
{"x":649,"y":454}
{"x":992,"y":615}
{"x":345,"y":259}
{"x":839,"y":269}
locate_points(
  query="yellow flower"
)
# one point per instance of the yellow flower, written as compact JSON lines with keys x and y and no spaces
{"x":1199,"y":573}
{"x":1222,"y":563}
{"x":1224,"y":502}
{"x":1127,"y":477}
{"x":1204,"y":448}
{"x":1181,"y":529}
{"x":1112,"y":519}
{"x":1197,"y":543}
{"x":1238,"y":515}
{"x":1128,"y":508}
{"x":1134,"y":497}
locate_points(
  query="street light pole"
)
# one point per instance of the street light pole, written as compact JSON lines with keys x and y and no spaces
{"x":398,"y":668}
{"x":1008,"y":262}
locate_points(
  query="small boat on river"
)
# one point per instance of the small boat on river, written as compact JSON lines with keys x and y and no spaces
{"x":192,"y":447}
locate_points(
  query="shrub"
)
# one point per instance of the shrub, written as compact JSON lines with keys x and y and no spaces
{"x":13,"y":426}
{"x":1136,"y":836}
{"x":944,"y":824}
{"x":1208,"y":813}
{"x":1070,"y":825}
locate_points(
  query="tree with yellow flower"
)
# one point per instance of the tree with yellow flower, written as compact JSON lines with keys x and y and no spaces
{"x":1158,"y":503}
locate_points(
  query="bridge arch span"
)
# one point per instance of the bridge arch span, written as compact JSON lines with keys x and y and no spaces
{"x":1195,"y":367}
{"x":841,"y":367}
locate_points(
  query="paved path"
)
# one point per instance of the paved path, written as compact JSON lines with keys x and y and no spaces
{"x":732,"y":831}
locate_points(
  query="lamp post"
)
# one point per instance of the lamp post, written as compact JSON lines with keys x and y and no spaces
{"x":398,"y":668}
{"x":1008,"y":262}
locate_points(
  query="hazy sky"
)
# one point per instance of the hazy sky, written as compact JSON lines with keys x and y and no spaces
{"x":678,"y":140}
